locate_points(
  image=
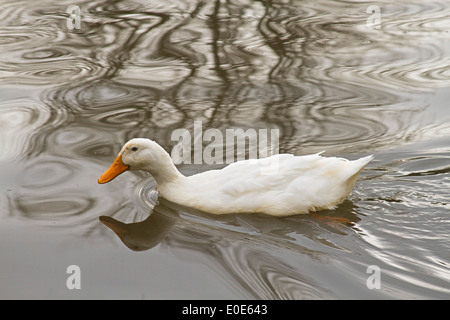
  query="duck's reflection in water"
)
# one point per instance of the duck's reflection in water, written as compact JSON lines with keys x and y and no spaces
{"x":146,"y":234}
{"x":262,"y":257}
{"x":143,"y":235}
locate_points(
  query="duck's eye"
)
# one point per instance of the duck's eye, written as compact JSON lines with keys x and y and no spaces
{"x":134,"y":149}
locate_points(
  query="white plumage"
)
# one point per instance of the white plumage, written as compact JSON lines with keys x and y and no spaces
{"x":279,"y":185}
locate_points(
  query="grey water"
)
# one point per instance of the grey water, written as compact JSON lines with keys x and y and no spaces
{"x":344,"y":77}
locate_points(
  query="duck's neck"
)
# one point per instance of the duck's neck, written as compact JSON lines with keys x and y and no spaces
{"x":164,"y":171}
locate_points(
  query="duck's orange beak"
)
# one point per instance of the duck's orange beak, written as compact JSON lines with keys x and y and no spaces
{"x":116,"y":168}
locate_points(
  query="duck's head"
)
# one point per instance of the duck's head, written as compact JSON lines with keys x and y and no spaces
{"x":139,"y":154}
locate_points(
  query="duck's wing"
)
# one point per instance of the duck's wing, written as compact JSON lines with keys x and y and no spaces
{"x":287,"y":174}
{"x":274,"y":174}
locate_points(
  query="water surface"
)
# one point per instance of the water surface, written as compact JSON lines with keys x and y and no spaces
{"x":314,"y":70}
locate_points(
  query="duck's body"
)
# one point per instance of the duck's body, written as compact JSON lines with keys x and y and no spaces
{"x":279,"y":185}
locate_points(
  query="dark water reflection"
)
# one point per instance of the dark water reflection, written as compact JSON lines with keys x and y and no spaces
{"x":312,"y":69}
{"x":251,"y":249}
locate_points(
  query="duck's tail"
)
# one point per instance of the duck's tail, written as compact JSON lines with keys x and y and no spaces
{"x":362,"y":162}
{"x":357,"y":166}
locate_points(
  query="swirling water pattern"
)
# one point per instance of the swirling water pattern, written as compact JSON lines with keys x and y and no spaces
{"x":314,"y":70}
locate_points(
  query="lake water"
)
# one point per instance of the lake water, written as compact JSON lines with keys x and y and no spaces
{"x":80,"y":78}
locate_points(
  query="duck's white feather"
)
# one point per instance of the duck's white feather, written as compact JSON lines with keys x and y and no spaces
{"x":279,"y":185}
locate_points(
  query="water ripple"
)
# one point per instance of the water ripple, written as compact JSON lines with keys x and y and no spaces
{"x":314,"y":70}
{"x":20,"y":121}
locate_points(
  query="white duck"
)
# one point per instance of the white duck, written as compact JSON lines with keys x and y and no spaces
{"x":279,"y":185}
